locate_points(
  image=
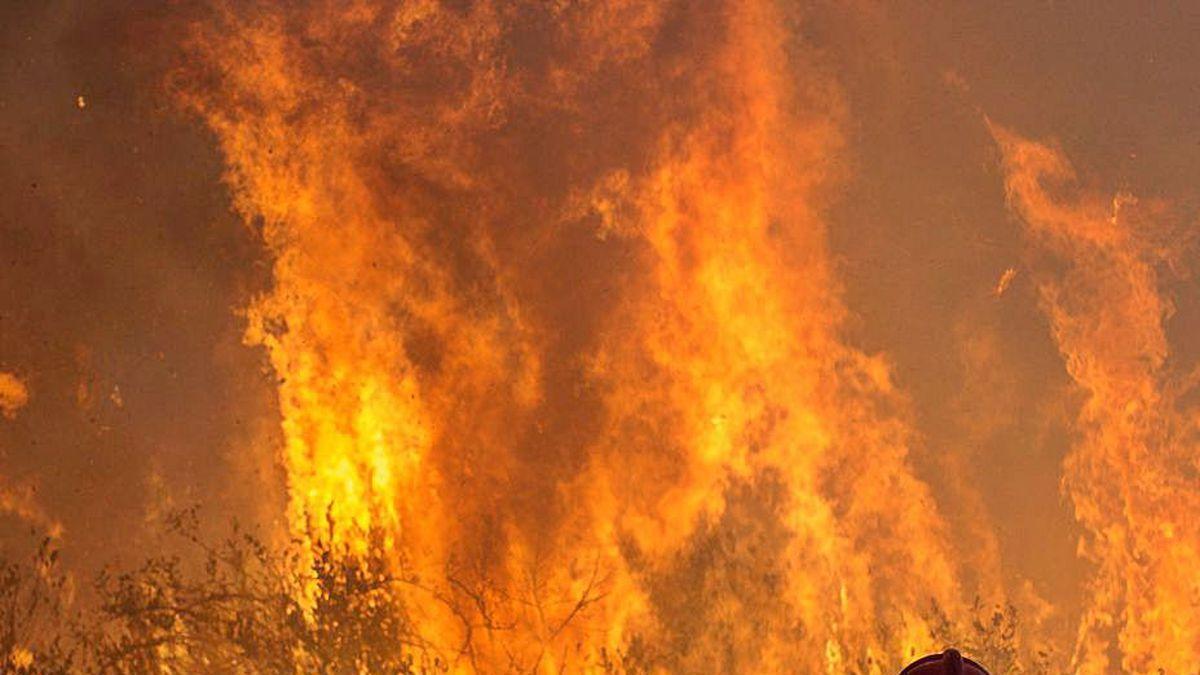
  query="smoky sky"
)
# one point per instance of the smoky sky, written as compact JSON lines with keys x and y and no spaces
{"x":123,"y":268}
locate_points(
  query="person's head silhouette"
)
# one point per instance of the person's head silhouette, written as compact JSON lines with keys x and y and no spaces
{"x":949,"y":662}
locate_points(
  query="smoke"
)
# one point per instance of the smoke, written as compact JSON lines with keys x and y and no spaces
{"x":122,"y":265}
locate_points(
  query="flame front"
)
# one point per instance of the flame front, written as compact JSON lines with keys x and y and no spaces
{"x":554,"y":312}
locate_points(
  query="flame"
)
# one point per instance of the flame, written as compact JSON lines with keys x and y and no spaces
{"x":554,"y":312}
{"x":13,"y":395}
{"x":1106,"y":266}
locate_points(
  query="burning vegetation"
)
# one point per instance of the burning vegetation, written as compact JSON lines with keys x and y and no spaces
{"x":568,"y":377}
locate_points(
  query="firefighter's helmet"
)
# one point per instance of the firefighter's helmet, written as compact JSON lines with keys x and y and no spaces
{"x":949,"y":662}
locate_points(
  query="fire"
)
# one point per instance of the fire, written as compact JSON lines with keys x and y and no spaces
{"x":600,"y":336}
{"x":554,"y":312}
{"x":1107,"y":264}
{"x":13,"y":395}
{"x":556,"y":325}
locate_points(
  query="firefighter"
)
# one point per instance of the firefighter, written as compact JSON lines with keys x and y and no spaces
{"x":949,"y":662}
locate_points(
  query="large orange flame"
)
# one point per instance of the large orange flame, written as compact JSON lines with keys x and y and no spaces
{"x":554,"y":312}
{"x":1106,"y":263}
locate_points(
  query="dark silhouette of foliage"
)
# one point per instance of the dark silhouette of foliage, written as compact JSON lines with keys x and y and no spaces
{"x":318,"y":607}
{"x":33,"y":598}
{"x":312,"y":607}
